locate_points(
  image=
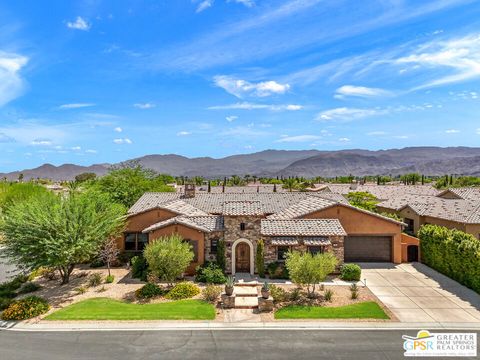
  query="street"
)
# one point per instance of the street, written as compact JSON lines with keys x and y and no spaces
{"x":205,"y":344}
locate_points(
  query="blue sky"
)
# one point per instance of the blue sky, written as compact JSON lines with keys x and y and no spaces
{"x":103,"y":81}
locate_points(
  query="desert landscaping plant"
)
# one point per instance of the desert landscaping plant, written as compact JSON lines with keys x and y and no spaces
{"x":308,"y":270}
{"x":59,"y":231}
{"x":260,"y":259}
{"x":210,"y":273}
{"x":328,"y":295}
{"x":354,"y":291}
{"x":109,"y":253}
{"x":139,"y":267}
{"x":350,"y":272}
{"x":29,"y":287}
{"x":183,"y":290}
{"x":95,"y":279}
{"x":149,"y":291}
{"x":109,"y":279}
{"x":211,"y":293}
{"x":229,"y":285}
{"x":168,"y":257}
{"x":25,"y":308}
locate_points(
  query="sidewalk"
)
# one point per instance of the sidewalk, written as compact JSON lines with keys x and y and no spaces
{"x":212,"y":325}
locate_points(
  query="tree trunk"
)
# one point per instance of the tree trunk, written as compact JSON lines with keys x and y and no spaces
{"x":65,"y":272}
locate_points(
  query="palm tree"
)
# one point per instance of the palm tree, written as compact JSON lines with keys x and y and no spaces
{"x":290,"y":184}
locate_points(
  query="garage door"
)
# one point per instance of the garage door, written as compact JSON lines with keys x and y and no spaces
{"x":368,"y":249}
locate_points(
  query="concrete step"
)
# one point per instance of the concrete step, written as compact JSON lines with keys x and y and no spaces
{"x":245,"y":291}
{"x":246,"y":302}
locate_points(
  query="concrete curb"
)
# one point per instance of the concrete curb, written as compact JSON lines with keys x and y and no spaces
{"x":209,"y":325}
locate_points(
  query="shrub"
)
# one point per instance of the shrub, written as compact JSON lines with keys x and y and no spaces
{"x":26,"y":308}
{"x":29,"y":287}
{"x":259,"y":259}
{"x":453,"y":253}
{"x":354,"y":291}
{"x":5,"y":303}
{"x":139,"y":268}
{"x":278,"y":294}
{"x":109,"y":279}
{"x":102,"y":289}
{"x":149,"y":291}
{"x":96,"y":263}
{"x":277,"y":270}
{"x":95,"y":279}
{"x":45,"y":272}
{"x":183,"y":290}
{"x":294,"y":294}
{"x":328,"y":295}
{"x":211,"y":293}
{"x":210,"y":273}
{"x":308,"y":270}
{"x":350,"y":272}
{"x":7,"y":289}
{"x":80,"y":290}
{"x":168,"y":257}
{"x":221,"y":261}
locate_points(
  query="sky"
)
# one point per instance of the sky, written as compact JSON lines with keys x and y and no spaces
{"x":97,"y":81}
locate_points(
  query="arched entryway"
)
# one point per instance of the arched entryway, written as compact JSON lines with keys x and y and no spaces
{"x":242,"y":256}
{"x":412,"y":253}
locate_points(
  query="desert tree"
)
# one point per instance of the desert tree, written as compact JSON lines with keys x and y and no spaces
{"x":109,"y":252}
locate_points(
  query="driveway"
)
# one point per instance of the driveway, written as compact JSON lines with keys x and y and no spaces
{"x":416,"y":293}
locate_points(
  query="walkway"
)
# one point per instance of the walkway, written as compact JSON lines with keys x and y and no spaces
{"x":416,"y":293}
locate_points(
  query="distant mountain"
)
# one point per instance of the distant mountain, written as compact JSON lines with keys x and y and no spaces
{"x":308,"y":163}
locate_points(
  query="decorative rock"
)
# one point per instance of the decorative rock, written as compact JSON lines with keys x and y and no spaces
{"x":265,"y":305}
{"x":228,"y":302}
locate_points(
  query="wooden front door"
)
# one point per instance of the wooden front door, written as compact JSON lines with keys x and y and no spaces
{"x":242,"y":258}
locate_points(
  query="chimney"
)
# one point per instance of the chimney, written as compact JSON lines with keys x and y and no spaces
{"x":189,"y":190}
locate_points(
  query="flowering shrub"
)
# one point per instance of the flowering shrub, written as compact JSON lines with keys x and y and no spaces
{"x":183,"y":290}
{"x":26,"y":308}
{"x":211,"y":293}
{"x":148,"y":291}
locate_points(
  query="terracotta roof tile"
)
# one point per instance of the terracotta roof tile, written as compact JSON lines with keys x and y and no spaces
{"x":302,"y":227}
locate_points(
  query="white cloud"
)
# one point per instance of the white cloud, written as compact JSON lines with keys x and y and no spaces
{"x":42,"y":142}
{"x":91,"y":151}
{"x":253,"y":106}
{"x":347,"y":114}
{"x":376,"y":133}
{"x":11,"y":84}
{"x":460,"y":58}
{"x":231,"y":118}
{"x":122,"y":141}
{"x":144,"y":106}
{"x":344,"y":139}
{"x":478,"y":131}
{"x":79,"y":24}
{"x":452,"y":131}
{"x":247,"y":3}
{"x":75,"y":106}
{"x":298,"y":138}
{"x":118,"y":129}
{"x":401,"y":136}
{"x":241,"y":88}
{"x":184,"y":133}
{"x":360,"y":91}
{"x":204,"y":5}
{"x":76,"y":148}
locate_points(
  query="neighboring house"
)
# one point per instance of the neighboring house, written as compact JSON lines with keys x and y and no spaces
{"x":456,"y":208}
{"x":315,"y":222}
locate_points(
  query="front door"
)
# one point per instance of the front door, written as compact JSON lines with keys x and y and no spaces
{"x":242,"y":258}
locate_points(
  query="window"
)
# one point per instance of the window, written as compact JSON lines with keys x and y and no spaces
{"x":316,"y":250}
{"x":410,"y":225}
{"x":194,"y":244}
{"x":242,"y":226}
{"x":282,"y":252}
{"x":213,"y":246}
{"x":135,"y":241}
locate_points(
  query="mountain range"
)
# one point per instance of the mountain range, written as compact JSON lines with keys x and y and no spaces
{"x":307,"y":163}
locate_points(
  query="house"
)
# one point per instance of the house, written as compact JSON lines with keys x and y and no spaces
{"x":456,"y":208}
{"x":314,"y":222}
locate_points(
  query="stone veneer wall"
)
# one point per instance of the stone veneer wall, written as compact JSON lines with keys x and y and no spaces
{"x":208,"y":243}
{"x":233,"y":233}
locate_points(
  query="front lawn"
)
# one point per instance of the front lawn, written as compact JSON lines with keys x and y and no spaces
{"x":363,"y":310}
{"x":108,"y":309}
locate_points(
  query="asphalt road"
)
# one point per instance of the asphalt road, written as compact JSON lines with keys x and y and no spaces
{"x":204,"y":344}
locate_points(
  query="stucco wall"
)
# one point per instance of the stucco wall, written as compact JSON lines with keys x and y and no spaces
{"x":357,"y":222}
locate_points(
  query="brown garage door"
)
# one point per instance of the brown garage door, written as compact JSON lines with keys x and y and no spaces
{"x":368,"y":249}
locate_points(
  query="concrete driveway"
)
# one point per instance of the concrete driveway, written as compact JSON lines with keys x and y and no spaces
{"x":416,"y":293}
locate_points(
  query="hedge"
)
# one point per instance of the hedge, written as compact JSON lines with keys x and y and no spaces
{"x":453,"y":253}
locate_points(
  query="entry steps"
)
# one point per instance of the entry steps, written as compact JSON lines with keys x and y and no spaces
{"x":246,"y":296}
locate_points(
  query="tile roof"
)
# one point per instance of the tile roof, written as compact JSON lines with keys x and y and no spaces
{"x":467,"y":193}
{"x":303,"y":207}
{"x":203,"y":223}
{"x":263,"y":188}
{"x":237,"y":208}
{"x":284,"y":241}
{"x":458,"y":210}
{"x":383,"y":192}
{"x":302,"y":227}
{"x":183,"y":208}
{"x":316,"y":241}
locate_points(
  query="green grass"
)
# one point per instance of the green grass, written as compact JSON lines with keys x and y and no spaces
{"x":108,"y":309}
{"x":363,"y":310}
